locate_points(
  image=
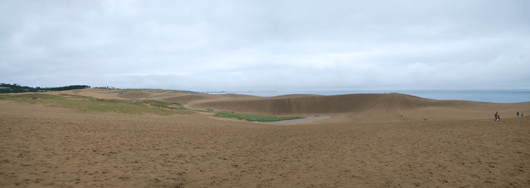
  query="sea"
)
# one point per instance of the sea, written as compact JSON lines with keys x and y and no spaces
{"x":495,"y":96}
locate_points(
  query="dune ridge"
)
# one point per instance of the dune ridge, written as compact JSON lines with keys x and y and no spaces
{"x":352,"y":103}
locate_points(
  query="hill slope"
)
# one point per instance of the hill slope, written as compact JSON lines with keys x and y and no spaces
{"x":373,"y":106}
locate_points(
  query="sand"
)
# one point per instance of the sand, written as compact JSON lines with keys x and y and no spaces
{"x":368,"y":145}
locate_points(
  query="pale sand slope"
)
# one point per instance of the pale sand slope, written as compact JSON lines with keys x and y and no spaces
{"x":371,"y":147}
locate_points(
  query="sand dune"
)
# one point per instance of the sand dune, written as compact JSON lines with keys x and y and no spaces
{"x":372,"y":106}
{"x":365,"y":145}
{"x":357,"y":107}
{"x":360,"y":107}
{"x":135,"y":95}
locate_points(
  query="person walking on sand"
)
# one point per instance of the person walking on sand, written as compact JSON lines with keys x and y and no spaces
{"x":517,"y":113}
{"x":498,"y":117}
{"x":496,"y":113}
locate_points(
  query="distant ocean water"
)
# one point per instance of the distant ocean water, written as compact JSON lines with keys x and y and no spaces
{"x":497,"y":96}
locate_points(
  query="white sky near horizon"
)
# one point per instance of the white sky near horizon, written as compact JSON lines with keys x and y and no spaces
{"x":267,"y":45}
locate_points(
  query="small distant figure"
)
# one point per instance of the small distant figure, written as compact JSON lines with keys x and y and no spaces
{"x":402,"y":117}
{"x":517,"y":113}
{"x":424,"y":119}
{"x":496,"y":114}
{"x":498,"y":118}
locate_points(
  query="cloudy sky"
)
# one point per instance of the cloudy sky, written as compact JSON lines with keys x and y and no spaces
{"x":267,"y":45}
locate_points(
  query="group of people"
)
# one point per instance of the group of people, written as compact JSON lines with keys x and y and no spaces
{"x":498,"y":117}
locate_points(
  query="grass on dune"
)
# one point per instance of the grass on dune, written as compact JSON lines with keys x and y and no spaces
{"x":99,"y":105}
{"x":161,"y":104}
{"x":254,"y":117}
{"x":208,"y":110}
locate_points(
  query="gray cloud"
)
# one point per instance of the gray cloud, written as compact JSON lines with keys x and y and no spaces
{"x":267,"y":45}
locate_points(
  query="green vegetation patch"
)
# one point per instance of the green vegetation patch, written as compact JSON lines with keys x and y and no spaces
{"x":207,"y":110}
{"x":161,"y":104}
{"x":254,"y":117}
{"x":97,"y":105}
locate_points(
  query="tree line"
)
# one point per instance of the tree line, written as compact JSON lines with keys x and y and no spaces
{"x":15,"y":88}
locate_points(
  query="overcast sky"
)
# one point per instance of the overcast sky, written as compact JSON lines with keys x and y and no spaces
{"x":267,"y":45}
